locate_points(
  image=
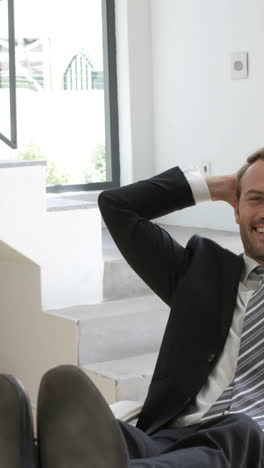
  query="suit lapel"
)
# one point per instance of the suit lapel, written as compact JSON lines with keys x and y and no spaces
{"x":231,"y":267}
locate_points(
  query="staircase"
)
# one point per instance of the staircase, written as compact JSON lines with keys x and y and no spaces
{"x":66,"y":294}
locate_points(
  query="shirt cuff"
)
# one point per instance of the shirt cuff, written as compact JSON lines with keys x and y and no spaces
{"x":198,"y":185}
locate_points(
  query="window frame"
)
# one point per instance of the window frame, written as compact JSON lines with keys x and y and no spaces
{"x":12,"y":141}
{"x":111,"y":109}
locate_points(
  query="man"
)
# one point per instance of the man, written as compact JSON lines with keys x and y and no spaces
{"x":205,"y":403}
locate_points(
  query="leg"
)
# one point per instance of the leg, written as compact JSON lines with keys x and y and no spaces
{"x":228,"y":442}
{"x":139,"y":444}
{"x":17,"y":449}
{"x":76,"y":428}
{"x":145,"y":450}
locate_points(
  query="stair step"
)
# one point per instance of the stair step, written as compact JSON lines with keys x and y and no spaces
{"x":113,"y":307}
{"x":121,"y":281}
{"x":123,"y":379}
{"x":62,"y":204}
{"x":11,"y":163}
{"x":115,"y":329}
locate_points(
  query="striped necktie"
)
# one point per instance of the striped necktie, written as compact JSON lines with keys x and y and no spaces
{"x":246,"y":393}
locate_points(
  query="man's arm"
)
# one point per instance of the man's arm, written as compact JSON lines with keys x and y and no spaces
{"x":127,"y":211}
{"x":222,"y":188}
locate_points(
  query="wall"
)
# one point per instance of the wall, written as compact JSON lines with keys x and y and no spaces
{"x":65,"y":240}
{"x":177,"y":102}
{"x":200,"y":114}
{"x":134,"y":69}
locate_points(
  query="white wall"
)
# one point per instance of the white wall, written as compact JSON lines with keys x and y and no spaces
{"x":180,"y":49}
{"x":66,"y":243}
{"x":134,"y":69}
{"x":200,"y":114}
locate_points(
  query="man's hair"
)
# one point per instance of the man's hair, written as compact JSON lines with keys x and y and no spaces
{"x":259,"y":154}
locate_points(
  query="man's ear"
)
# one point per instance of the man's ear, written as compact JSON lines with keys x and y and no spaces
{"x":236,"y":210}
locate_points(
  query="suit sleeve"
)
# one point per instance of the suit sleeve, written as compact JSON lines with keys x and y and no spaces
{"x":150,"y":250}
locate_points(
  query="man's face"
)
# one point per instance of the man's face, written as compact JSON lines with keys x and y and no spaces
{"x":249,"y":211}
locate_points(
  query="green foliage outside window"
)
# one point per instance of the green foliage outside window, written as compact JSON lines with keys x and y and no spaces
{"x":33,"y":153}
{"x":95,"y":172}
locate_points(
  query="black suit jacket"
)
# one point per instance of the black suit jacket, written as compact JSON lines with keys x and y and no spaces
{"x":198,"y":282}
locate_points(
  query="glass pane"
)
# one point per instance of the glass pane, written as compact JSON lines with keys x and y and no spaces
{"x":60,"y":88}
{"x":5,"y":127}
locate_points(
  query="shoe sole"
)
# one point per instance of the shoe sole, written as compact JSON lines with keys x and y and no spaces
{"x":76,"y":428}
{"x":17,"y":448}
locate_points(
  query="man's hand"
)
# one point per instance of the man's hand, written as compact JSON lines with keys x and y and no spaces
{"x":223,"y":188}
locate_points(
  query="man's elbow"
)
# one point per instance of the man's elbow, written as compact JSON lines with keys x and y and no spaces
{"x":102,"y":201}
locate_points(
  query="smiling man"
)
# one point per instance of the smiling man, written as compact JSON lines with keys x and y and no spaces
{"x":205,"y":404}
{"x":249,"y":206}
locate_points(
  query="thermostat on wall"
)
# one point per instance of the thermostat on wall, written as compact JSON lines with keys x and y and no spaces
{"x":239,"y":65}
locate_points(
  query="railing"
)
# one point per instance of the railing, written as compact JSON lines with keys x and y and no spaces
{"x":78,"y":73}
{"x":80,"y":76}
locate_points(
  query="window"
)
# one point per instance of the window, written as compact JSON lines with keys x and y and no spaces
{"x":66,"y":91}
{"x":7,"y":75}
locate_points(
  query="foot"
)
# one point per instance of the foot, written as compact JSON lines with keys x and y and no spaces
{"x":76,"y":428}
{"x":17,"y":449}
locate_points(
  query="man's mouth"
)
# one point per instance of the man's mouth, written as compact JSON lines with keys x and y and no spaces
{"x":259,"y":229}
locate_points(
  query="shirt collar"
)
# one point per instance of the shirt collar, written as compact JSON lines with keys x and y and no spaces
{"x":250,"y":264}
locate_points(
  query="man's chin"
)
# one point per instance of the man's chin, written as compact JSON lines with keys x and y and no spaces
{"x":253,"y":246}
{"x":256,"y":254}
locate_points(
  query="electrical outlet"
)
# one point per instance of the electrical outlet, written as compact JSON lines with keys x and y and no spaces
{"x":205,"y":168}
{"x":239,"y":65}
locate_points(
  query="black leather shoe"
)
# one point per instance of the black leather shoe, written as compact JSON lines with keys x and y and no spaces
{"x":76,"y":428}
{"x":17,"y":449}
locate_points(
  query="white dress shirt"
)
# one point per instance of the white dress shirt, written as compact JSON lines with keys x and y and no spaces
{"x":224,"y":371}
